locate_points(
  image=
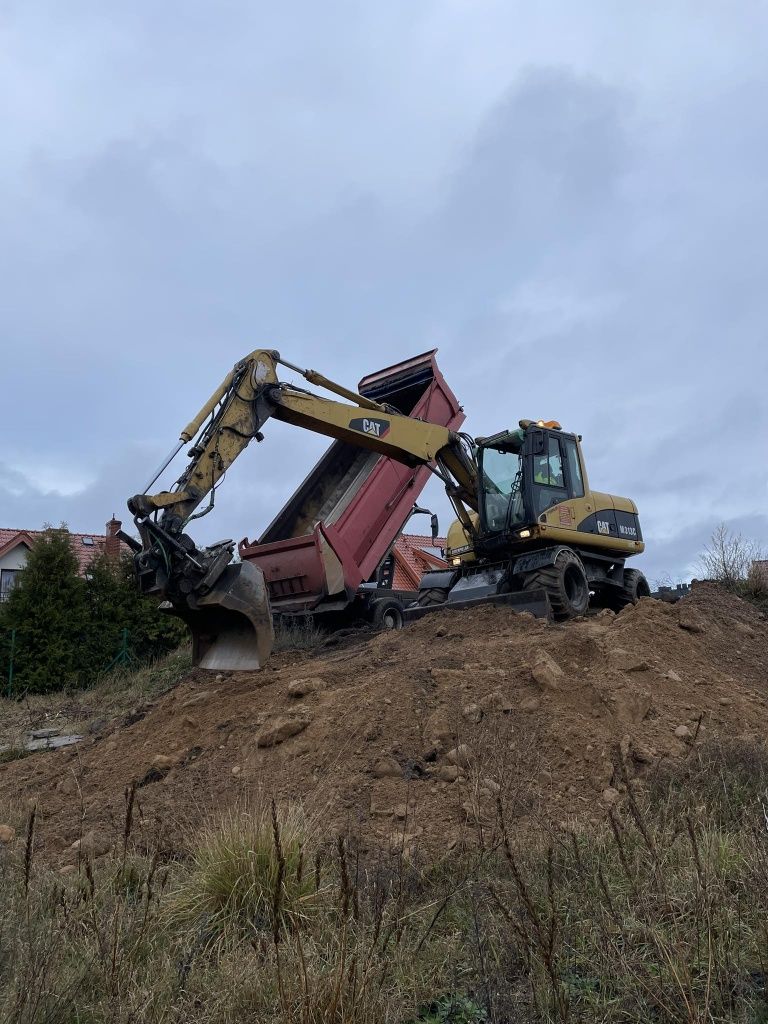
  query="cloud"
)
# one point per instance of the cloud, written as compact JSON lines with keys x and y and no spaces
{"x":576,"y":218}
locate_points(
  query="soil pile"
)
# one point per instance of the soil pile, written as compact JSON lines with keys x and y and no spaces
{"x":411,"y":736}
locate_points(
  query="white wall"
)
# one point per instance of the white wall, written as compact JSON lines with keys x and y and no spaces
{"x":15,"y":559}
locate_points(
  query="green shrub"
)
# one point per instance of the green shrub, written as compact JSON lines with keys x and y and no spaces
{"x":69,"y":629}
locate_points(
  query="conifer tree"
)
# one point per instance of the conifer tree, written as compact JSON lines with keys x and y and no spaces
{"x":69,"y":628}
{"x":48,"y":609}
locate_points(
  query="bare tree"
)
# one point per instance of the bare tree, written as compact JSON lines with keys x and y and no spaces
{"x":664,"y":580}
{"x":728,"y":558}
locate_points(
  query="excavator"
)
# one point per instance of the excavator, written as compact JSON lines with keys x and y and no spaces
{"x":529,"y":530}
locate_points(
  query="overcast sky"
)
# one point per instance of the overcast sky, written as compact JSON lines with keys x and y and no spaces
{"x":569,"y":200}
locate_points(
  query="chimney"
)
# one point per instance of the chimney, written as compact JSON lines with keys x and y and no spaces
{"x":112,"y":541}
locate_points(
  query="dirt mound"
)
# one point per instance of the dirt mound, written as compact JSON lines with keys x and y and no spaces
{"x":415,"y":733}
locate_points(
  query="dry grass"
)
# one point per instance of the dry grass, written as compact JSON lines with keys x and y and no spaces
{"x":251,"y":875}
{"x":661,"y":914}
{"x":657,"y":915}
{"x":73,"y":711}
{"x":297,"y":633}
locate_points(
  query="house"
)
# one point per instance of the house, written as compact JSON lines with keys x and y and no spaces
{"x":412,"y":555}
{"x":672,"y":594}
{"x":15,"y":546}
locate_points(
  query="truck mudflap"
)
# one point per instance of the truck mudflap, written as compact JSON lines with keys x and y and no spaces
{"x":232,"y":624}
{"x":536,"y":602}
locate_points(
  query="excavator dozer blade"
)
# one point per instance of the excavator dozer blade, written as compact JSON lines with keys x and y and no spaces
{"x":232,"y":624}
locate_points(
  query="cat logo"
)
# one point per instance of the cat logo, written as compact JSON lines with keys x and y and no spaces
{"x":603,"y":526}
{"x":366,"y":425}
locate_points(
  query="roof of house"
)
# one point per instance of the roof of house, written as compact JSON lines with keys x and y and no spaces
{"x":83,"y":551}
{"x":415,"y":554}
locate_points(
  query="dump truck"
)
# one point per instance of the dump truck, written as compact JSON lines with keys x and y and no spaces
{"x":321,"y":552}
{"x":530,"y":532}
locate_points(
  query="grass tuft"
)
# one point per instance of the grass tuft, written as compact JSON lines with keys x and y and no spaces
{"x":297,"y":633}
{"x":246,"y":877}
{"x":13,"y":754}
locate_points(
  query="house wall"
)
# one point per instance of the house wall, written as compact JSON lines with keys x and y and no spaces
{"x":14,"y":559}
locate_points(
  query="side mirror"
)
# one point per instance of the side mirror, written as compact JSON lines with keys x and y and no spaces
{"x":435,"y":527}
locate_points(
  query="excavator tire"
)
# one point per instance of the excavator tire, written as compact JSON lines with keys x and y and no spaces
{"x":635,"y":586}
{"x":434,"y":595}
{"x":565,"y":583}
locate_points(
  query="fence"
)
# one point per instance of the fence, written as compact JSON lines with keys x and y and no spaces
{"x":124,"y":658}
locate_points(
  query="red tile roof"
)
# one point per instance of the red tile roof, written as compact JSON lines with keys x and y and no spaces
{"x":414,"y":555}
{"x":84,"y":553}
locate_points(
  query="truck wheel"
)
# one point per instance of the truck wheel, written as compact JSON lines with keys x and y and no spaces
{"x":387,"y":614}
{"x":565,"y":583}
{"x":635,"y":586}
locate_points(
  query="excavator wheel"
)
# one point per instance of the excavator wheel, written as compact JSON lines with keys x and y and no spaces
{"x":565,"y":583}
{"x":432,"y":595}
{"x":635,"y":586}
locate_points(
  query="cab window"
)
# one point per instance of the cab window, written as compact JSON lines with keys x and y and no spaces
{"x":548,"y":467}
{"x":548,"y":477}
{"x":502,"y":500}
{"x":574,"y":468}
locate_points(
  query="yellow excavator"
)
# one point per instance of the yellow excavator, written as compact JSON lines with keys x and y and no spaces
{"x":529,"y":531}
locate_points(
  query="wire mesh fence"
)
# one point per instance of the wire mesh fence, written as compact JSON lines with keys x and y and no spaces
{"x":14,"y":647}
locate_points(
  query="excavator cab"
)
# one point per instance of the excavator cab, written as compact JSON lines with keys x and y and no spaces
{"x":523,"y":474}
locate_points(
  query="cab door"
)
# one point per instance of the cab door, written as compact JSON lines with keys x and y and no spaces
{"x":547,"y":473}
{"x":568,"y":513}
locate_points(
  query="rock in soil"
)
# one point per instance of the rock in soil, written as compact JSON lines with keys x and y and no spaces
{"x":280,"y":729}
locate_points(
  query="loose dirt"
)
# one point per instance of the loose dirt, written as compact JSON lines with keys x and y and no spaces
{"x":411,"y":737}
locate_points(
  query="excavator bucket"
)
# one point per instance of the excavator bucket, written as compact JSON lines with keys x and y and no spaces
{"x":232,"y":624}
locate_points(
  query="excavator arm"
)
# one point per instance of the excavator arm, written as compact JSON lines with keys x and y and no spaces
{"x":229,"y":602}
{"x":251,"y":394}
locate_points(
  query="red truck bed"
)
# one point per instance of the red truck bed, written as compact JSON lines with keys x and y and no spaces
{"x":340,"y":523}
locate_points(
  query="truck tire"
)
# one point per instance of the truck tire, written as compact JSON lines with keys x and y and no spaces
{"x":387,"y":614}
{"x":565,"y":583}
{"x":635,"y":586}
